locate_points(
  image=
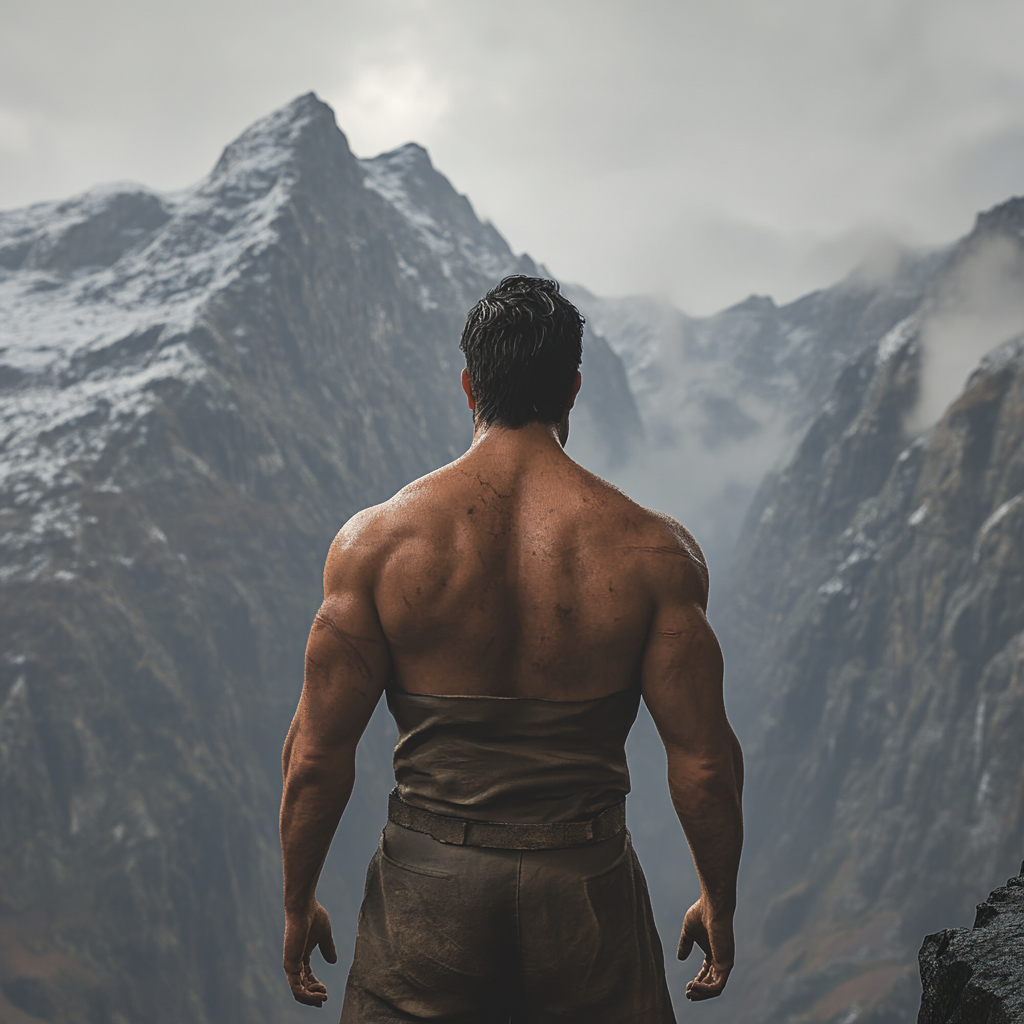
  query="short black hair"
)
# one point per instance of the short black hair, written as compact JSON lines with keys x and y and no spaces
{"x":523,"y":343}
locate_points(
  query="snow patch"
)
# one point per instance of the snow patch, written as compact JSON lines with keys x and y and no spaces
{"x":833,"y":586}
{"x":83,"y":353}
{"x":1001,"y":513}
{"x":895,"y":340}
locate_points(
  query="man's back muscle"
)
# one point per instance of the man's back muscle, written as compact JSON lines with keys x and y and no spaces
{"x":520,"y":577}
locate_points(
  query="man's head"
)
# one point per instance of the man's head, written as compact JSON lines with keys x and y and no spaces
{"x":523,"y":342}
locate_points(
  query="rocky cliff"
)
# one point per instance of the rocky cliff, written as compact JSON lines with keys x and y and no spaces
{"x":197,"y":390}
{"x":976,"y":975}
{"x":875,"y":625}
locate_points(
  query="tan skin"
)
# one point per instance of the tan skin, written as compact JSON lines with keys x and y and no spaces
{"x":513,"y":572}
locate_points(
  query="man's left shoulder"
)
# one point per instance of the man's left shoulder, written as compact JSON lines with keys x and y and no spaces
{"x":669,"y":535}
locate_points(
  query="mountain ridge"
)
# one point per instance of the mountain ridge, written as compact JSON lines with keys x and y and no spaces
{"x":198,"y":389}
{"x":875,"y":613}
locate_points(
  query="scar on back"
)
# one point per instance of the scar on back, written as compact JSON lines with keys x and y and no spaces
{"x":668,"y":632}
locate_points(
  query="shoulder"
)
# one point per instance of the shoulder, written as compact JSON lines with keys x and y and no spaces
{"x":677,"y":560}
{"x":372,"y":535}
{"x":660,"y":547}
{"x":356,"y":548}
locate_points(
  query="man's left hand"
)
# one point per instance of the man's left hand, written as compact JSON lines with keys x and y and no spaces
{"x":303,"y":932}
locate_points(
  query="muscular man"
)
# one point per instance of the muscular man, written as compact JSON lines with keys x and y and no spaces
{"x":514,"y":608}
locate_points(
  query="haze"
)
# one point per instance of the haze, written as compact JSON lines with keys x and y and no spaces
{"x":702,"y":151}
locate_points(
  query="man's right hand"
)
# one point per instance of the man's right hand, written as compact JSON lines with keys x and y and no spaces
{"x":715,"y":938}
{"x":303,"y":932}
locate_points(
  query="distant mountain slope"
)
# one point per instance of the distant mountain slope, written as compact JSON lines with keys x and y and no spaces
{"x":876,"y":621}
{"x":197,"y":390}
{"x":724,"y":398}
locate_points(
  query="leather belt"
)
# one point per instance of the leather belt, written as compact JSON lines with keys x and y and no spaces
{"x":500,"y":835}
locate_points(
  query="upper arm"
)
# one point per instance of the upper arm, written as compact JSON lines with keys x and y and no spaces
{"x":347,"y":658}
{"x":682,"y":667}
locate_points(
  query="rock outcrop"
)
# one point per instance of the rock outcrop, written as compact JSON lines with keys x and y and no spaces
{"x":976,"y":975}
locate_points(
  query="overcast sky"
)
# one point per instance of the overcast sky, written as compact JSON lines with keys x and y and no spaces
{"x":702,"y":150}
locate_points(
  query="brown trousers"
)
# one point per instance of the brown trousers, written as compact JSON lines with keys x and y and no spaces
{"x":464,"y":935}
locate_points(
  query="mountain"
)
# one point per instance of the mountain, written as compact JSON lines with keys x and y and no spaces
{"x":724,"y":398}
{"x":876,"y":620}
{"x":198,"y":389}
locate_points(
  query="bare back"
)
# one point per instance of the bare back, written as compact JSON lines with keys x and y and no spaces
{"x":514,"y":572}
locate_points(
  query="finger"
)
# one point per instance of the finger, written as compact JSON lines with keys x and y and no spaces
{"x":327,"y":948}
{"x":703,"y":973}
{"x":685,"y":946}
{"x":308,"y":998}
{"x":301,"y":991}
{"x":312,"y":983}
{"x":697,"y":991}
{"x":707,"y":985}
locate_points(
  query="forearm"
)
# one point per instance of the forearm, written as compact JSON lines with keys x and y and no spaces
{"x":707,"y":800}
{"x":316,"y":791}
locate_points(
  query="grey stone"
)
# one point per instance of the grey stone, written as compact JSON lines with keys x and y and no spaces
{"x":976,"y":975}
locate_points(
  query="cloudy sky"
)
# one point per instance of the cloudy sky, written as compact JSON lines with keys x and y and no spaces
{"x":701,"y":149}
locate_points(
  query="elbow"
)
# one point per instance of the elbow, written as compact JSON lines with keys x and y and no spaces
{"x":721,"y":776}
{"x":319,"y":768}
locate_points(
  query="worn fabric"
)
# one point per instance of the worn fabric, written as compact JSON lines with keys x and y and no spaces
{"x":463,"y":935}
{"x":513,"y":759}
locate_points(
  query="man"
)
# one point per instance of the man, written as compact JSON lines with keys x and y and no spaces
{"x":513,"y":607}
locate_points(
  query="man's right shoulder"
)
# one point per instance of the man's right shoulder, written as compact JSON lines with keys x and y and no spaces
{"x":375,"y":531}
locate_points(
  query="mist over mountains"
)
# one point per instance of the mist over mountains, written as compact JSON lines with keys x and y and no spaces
{"x":198,"y":389}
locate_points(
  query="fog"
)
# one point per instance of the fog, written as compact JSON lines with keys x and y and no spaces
{"x":981,"y":306}
{"x":700,"y":151}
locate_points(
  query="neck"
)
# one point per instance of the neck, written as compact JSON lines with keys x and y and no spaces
{"x":522,"y":442}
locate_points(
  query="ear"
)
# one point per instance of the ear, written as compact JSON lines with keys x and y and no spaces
{"x":575,"y":390}
{"x":468,"y":388}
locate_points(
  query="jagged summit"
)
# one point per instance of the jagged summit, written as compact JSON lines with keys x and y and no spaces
{"x":754,"y":304}
{"x":271,"y":138}
{"x":280,"y":131}
{"x":1008,"y":215}
{"x":113,"y":296}
{"x":105,"y":296}
{"x":443,"y":218}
